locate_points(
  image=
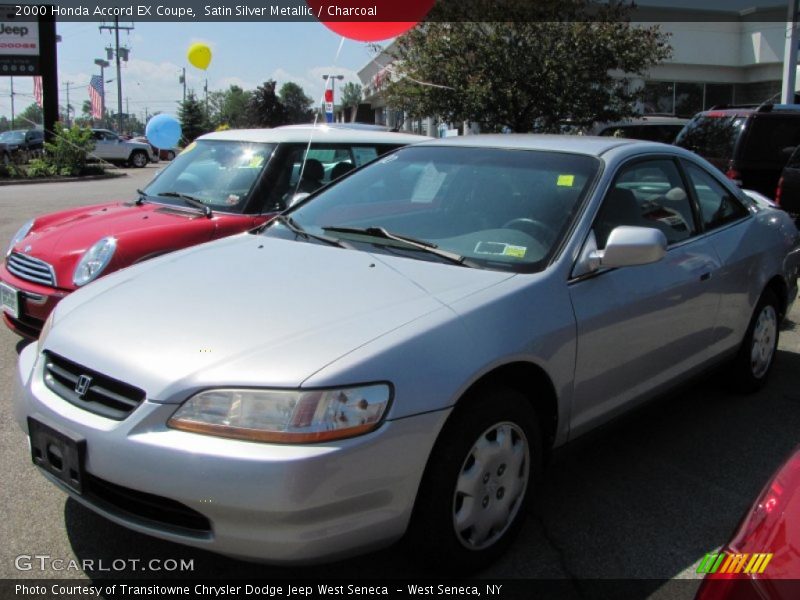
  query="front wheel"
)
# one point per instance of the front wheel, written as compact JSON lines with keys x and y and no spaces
{"x":757,"y":353}
{"x":139,"y":159}
{"x":481,"y":475}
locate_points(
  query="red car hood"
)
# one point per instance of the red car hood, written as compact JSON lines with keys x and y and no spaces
{"x":142,"y":231}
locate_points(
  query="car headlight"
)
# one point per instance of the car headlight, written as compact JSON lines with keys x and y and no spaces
{"x":94,"y":260}
{"x":20,"y":235}
{"x":288,"y":416}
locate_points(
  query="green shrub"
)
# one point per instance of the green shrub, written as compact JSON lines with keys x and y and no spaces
{"x":39,"y":167}
{"x":67,"y":153}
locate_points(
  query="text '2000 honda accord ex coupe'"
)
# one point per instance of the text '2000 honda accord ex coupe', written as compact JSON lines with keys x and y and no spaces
{"x":399,"y":353}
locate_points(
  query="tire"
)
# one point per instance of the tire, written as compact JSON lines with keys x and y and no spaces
{"x":170,"y":155}
{"x":490,"y":504}
{"x":753,"y":363}
{"x":139,"y":159}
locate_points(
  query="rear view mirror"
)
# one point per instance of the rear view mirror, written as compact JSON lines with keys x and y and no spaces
{"x":630,"y":246}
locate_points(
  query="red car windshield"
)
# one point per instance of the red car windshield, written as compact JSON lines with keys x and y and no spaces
{"x":218,"y":173}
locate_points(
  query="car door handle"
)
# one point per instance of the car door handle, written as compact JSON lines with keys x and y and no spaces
{"x":705,"y":276}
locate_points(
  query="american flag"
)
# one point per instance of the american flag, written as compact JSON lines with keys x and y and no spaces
{"x":96,"y":93}
{"x":37,"y":90}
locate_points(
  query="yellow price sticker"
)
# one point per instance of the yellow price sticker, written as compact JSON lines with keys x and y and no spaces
{"x":515,"y":251}
{"x":566,"y":180}
{"x":189,"y":148}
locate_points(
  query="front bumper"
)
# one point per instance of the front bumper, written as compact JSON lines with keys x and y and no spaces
{"x":36,"y":302}
{"x":278,"y":503}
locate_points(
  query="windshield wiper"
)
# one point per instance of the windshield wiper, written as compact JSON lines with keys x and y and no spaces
{"x":190,"y":200}
{"x":380,"y":232}
{"x":295,"y":228}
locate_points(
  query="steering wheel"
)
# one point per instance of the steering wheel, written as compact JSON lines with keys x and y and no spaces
{"x":532,"y":227}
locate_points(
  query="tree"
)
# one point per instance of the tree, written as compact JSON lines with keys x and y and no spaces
{"x":527,"y":66}
{"x":296,"y":103}
{"x":265,"y":109}
{"x":351,"y":97}
{"x":229,"y":107}
{"x":32,"y":115}
{"x":191,"y":114}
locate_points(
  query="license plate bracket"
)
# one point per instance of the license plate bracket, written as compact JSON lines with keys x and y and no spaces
{"x":57,"y":453}
{"x":9,"y":300}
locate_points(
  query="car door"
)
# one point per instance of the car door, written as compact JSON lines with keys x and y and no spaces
{"x":102,"y":146}
{"x":641,"y":328}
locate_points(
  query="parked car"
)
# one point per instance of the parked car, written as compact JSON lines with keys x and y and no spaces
{"x":760,"y":561}
{"x":653,"y":128}
{"x":225,"y":183}
{"x":751,"y":145}
{"x":400,"y":352}
{"x":159,"y":153}
{"x":111,"y":147}
{"x":20,"y":144}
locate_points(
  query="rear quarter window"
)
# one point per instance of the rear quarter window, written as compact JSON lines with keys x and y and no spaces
{"x":769,"y":135}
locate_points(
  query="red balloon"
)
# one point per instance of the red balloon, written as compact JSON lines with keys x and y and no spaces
{"x":362,"y":27}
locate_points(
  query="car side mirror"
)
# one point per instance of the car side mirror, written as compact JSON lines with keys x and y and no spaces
{"x":788,"y":151}
{"x":630,"y":246}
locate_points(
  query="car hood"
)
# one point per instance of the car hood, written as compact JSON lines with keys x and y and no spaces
{"x":248,"y":311}
{"x":61,"y":240}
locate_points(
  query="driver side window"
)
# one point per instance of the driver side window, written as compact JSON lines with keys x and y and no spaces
{"x":647,"y":194}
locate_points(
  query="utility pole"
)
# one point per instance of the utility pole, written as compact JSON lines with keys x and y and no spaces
{"x":67,"y":84}
{"x":790,"y":55}
{"x":182,"y":79}
{"x":117,"y":55}
{"x":12,"y":103}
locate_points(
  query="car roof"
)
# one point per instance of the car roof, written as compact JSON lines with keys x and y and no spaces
{"x":317,"y":133}
{"x":648,"y":120}
{"x":578,"y":144}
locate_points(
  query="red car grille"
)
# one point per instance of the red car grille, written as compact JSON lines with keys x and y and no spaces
{"x":31,"y":269}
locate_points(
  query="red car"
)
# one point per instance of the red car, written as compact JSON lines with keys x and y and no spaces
{"x":762,"y":560}
{"x":224,"y":183}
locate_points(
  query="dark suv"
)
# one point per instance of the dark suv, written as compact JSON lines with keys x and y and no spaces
{"x":20,"y":144}
{"x":749,"y":144}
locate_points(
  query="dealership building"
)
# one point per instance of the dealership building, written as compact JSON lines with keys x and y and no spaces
{"x":730,"y":52}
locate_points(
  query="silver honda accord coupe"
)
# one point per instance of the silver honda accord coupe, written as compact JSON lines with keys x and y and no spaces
{"x":399,"y":353}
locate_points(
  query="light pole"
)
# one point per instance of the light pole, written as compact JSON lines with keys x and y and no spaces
{"x":102,"y":64}
{"x":790,"y":55}
{"x":329,"y":96}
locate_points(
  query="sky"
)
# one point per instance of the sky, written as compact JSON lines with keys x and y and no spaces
{"x":244,"y":54}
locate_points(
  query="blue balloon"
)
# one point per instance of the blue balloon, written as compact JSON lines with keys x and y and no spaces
{"x":163,"y":131}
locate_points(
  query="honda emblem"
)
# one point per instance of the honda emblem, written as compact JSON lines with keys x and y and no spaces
{"x":84,"y":381}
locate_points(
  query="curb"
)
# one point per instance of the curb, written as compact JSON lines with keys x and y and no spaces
{"x":4,"y":182}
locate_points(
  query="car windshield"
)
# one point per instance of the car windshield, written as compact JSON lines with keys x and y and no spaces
{"x":486,"y":207}
{"x":14,"y":137}
{"x":712,"y":137}
{"x":218,"y":173}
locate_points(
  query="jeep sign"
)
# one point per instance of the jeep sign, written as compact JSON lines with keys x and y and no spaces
{"x":19,"y":44}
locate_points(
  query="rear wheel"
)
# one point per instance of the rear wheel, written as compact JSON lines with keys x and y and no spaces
{"x":757,"y":354}
{"x":139,"y":159}
{"x":480,"y":478}
{"x":170,"y":155}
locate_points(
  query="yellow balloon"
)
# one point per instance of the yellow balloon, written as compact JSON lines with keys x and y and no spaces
{"x":199,"y":55}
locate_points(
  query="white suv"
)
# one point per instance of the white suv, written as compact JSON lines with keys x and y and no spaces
{"x":112,"y":148}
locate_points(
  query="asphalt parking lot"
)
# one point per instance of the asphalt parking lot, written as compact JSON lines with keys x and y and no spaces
{"x":644,"y":499}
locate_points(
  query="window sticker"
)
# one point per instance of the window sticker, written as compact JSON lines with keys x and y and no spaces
{"x":565,"y":180}
{"x":500,"y":249}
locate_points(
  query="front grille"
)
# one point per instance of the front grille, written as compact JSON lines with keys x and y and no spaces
{"x":148,"y":509}
{"x":89,"y":389}
{"x":31,"y":269}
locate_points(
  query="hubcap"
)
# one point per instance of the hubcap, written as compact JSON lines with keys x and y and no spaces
{"x":139,"y":159}
{"x":764,"y":336}
{"x":491,"y":485}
